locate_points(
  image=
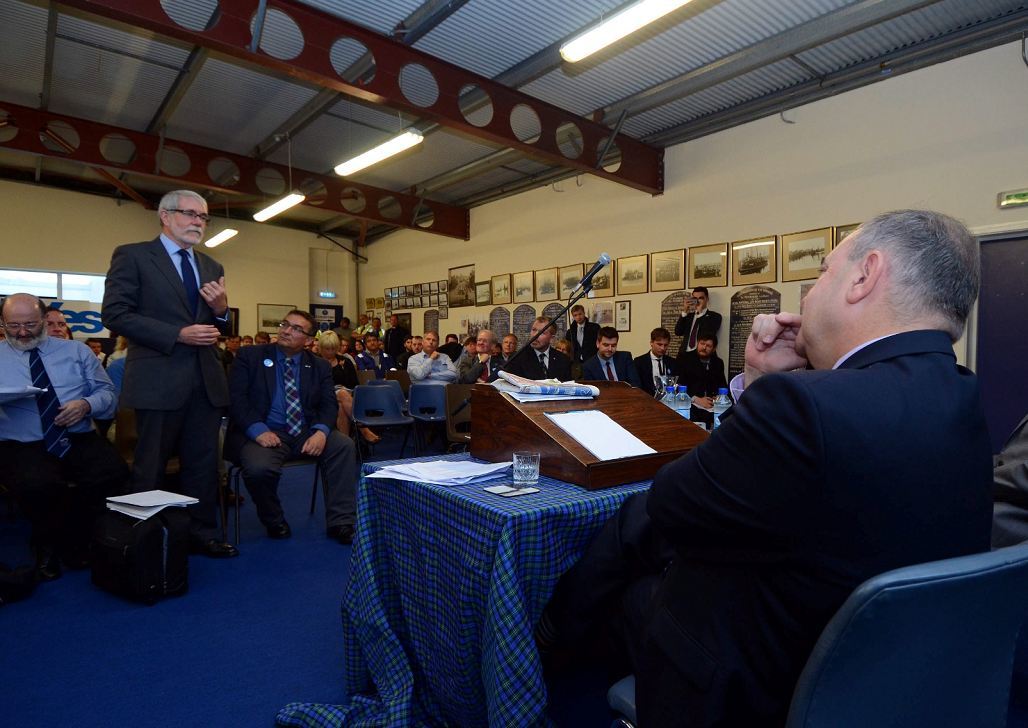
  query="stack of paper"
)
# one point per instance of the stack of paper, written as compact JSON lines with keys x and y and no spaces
{"x":145,"y":504}
{"x":540,"y":390}
{"x":442,"y":472}
{"x":12,"y":394}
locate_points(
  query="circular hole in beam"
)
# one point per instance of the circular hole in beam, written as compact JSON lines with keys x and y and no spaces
{"x":569,"y":140}
{"x":223,"y":172}
{"x":611,"y":161}
{"x":353,"y":200}
{"x":424,"y":217}
{"x":389,"y":207}
{"x":525,"y":124}
{"x":270,"y":181}
{"x":174,"y":161}
{"x":195,"y":15}
{"x":117,"y":148}
{"x":314,"y":190}
{"x":352,"y":60}
{"x":281,"y":37}
{"x":475,"y":105}
{"x":7,"y":128}
{"x":60,"y":137}
{"x":418,"y":85}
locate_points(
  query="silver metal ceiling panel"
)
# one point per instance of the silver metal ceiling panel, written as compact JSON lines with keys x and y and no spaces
{"x":440,"y":152}
{"x":752,"y":85}
{"x":377,"y":15}
{"x":490,"y":36}
{"x":326,"y":142}
{"x":22,"y":51}
{"x":486,"y":181}
{"x":232,"y":107}
{"x":714,"y":33}
{"x":141,"y":44}
{"x":381,"y":118}
{"x":528,"y":166}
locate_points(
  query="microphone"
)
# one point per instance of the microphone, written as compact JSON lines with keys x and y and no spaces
{"x":587,"y":281}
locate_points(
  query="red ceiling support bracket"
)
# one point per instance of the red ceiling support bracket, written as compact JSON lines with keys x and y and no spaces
{"x":433,"y":89}
{"x":124,"y":150}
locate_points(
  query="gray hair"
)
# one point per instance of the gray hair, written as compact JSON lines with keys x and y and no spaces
{"x":490,"y":334}
{"x":937,"y":270}
{"x":171,"y":200}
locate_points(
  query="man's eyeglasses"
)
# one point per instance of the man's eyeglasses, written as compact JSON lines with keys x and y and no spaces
{"x":192,"y":214}
{"x":294,"y":327}
{"x":27,"y":326}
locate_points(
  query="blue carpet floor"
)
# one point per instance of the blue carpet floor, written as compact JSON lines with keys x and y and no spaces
{"x":252,"y":634}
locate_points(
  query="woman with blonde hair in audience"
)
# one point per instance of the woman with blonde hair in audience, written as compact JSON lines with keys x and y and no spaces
{"x":344,"y":376}
{"x":564,"y":347}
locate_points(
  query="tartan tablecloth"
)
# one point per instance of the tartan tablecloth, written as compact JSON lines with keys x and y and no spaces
{"x":446,"y":584}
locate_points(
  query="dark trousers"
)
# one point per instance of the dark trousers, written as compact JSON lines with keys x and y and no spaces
{"x":62,"y":497}
{"x":190,"y":432}
{"x":262,"y":468}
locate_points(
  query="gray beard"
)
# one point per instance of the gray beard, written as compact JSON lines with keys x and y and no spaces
{"x":26,"y":345}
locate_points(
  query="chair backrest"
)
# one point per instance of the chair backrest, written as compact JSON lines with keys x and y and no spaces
{"x":427,"y":402}
{"x":458,"y":426}
{"x":375,"y":402}
{"x":366,"y":376}
{"x":925,"y":645}
{"x":401,"y":376}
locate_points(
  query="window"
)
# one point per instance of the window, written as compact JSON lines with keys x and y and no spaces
{"x":79,"y":287}
{"x":50,"y":284}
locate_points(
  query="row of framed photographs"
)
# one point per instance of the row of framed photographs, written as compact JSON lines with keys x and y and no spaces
{"x":415,"y":289}
{"x":431,"y":300}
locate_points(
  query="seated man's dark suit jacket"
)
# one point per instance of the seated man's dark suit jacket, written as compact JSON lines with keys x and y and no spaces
{"x":558,"y":366}
{"x":809,"y":489}
{"x":588,"y":347}
{"x":252,"y":387}
{"x":710,"y":323}
{"x":644,"y":368}
{"x":1010,"y":489}
{"x":700,"y":380}
{"x":624,"y":367}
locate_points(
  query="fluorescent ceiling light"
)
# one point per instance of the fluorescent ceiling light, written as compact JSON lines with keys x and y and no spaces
{"x":397,"y":144}
{"x":290,"y":200}
{"x":616,"y":27}
{"x":221,"y":237}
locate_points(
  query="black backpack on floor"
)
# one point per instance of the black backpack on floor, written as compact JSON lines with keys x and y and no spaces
{"x":142,"y":560}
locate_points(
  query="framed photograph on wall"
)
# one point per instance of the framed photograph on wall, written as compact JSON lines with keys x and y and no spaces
{"x":667,"y":270}
{"x":602,"y":313}
{"x":708,"y":265}
{"x":569,"y":277}
{"x":603,"y":281}
{"x":524,"y":287}
{"x":754,"y":261}
{"x":501,"y":289}
{"x":461,"y":286}
{"x":482,"y":293}
{"x":623,"y":315}
{"x":270,"y":315}
{"x":632,"y":274}
{"x":803,"y":252}
{"x":546,"y":284}
{"x":841,"y":231}
{"x":444,"y":312}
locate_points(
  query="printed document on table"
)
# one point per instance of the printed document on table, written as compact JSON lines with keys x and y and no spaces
{"x":600,"y":435}
{"x":442,"y":472}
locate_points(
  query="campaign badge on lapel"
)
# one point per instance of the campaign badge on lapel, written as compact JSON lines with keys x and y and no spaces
{"x":269,"y":363}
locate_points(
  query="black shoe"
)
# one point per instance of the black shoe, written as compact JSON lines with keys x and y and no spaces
{"x":342,"y":534}
{"x":48,"y":566}
{"x":215,"y":549}
{"x":280,"y":530}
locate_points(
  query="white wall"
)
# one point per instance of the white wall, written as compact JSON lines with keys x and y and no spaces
{"x":949,"y":137}
{"x":53,"y":229}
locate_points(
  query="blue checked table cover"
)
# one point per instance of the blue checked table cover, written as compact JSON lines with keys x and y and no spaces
{"x":446,"y":584}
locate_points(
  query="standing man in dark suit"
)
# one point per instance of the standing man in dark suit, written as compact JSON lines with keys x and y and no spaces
{"x":608,"y":363}
{"x":655,"y":362}
{"x":394,"y":337}
{"x":808,"y":489}
{"x":582,"y":334}
{"x":703,"y":372}
{"x":169,"y":300}
{"x":284,"y":407}
{"x":695,"y":320}
{"x":541,"y":361}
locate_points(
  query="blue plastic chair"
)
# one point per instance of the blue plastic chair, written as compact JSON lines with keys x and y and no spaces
{"x":427,"y":404}
{"x":379,"y":406}
{"x":925,"y":645}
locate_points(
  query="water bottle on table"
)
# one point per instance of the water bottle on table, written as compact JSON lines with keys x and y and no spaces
{"x":721,"y":403}
{"x":683,"y":402}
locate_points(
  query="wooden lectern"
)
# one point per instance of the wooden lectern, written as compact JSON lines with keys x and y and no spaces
{"x":500,"y":425}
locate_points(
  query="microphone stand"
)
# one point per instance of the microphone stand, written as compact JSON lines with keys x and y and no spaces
{"x":572,"y":300}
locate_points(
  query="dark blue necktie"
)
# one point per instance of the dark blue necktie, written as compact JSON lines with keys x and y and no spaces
{"x":54,"y":437}
{"x":189,"y":280}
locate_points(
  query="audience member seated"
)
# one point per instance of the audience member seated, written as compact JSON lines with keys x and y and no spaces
{"x":609,"y":363}
{"x":1010,"y":489}
{"x":343,"y":330}
{"x":373,"y":358}
{"x":57,"y":324}
{"x":247,"y":340}
{"x":480,"y":367}
{"x":695,"y":320}
{"x":228,"y":354}
{"x":58,"y":468}
{"x":564,"y":347}
{"x":722,"y":576}
{"x":284,"y":407}
{"x":415,"y":347}
{"x":508,"y":347}
{"x":97,"y":347}
{"x":431,"y":366}
{"x":655,"y":363}
{"x":702,"y":371}
{"x":452,"y":347}
{"x":542,"y":361}
{"x":262,"y":337}
{"x":363,"y":325}
{"x":344,"y":377}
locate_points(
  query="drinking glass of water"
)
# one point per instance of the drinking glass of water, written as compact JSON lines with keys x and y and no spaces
{"x":526,"y":469}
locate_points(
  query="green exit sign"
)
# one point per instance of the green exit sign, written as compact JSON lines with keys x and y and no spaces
{"x":1015,"y":198}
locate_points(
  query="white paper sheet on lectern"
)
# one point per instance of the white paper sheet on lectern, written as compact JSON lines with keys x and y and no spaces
{"x":600,"y":435}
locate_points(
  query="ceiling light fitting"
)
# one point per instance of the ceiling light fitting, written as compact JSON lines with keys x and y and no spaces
{"x":394,"y":146}
{"x":221,"y":237}
{"x":291,"y":200}
{"x":616,"y":27}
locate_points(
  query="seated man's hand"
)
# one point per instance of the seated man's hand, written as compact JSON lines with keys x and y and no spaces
{"x":771,"y":346}
{"x":707,"y":402}
{"x":315,"y":444}
{"x":72,"y":412}
{"x":268,"y":439}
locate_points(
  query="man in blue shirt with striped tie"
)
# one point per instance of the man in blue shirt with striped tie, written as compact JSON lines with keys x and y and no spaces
{"x":50,"y":390}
